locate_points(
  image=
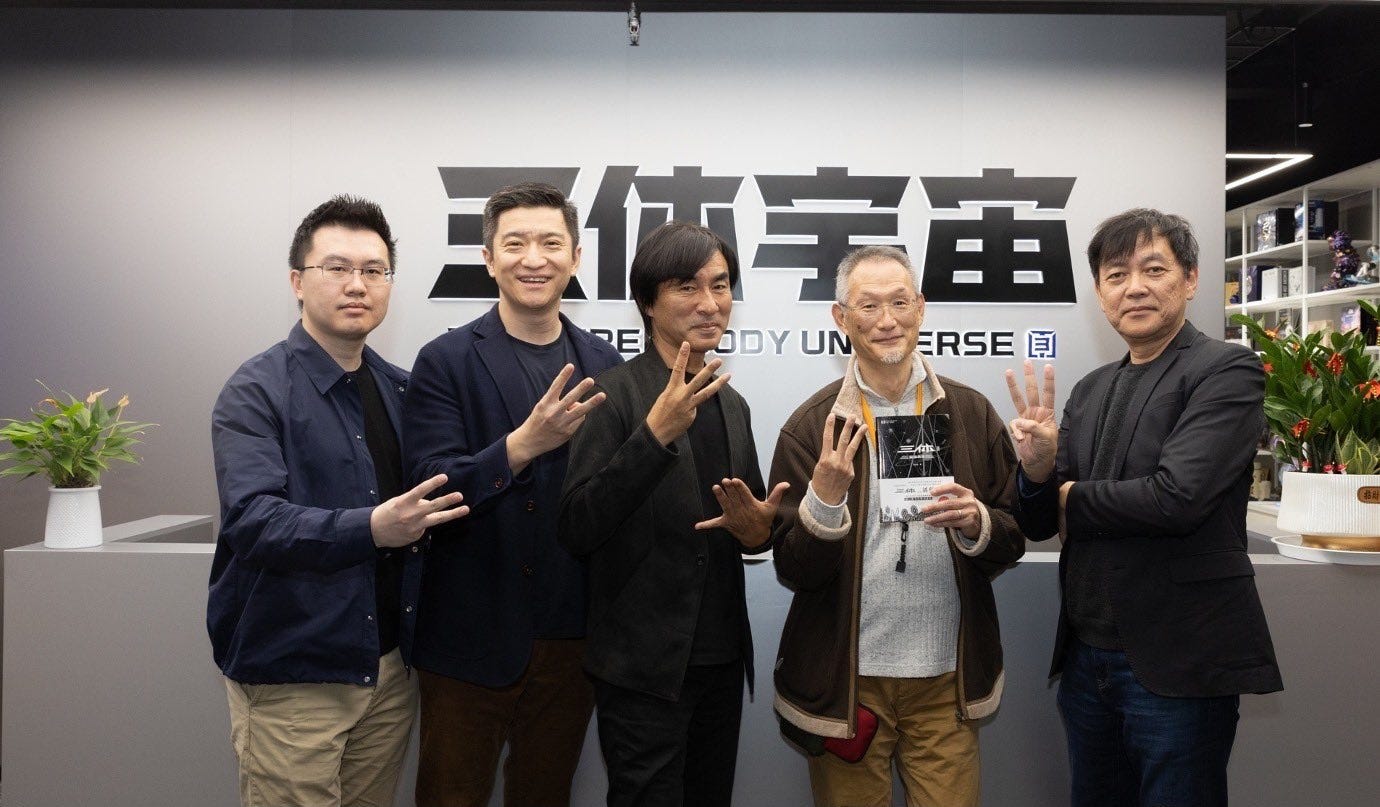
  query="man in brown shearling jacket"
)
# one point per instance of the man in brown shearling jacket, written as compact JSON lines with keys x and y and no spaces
{"x":895,"y":617}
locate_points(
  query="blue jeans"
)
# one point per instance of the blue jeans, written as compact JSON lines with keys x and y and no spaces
{"x":1129,"y":746}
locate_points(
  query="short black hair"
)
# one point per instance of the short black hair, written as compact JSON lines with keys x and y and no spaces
{"x":350,"y":212}
{"x":529,"y":194}
{"x":1117,"y":238}
{"x":674,"y":251}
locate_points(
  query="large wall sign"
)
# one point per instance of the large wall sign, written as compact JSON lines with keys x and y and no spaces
{"x":811,"y":222}
{"x":992,"y":259}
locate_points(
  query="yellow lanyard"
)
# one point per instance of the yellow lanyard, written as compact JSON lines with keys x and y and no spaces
{"x":872,"y":422}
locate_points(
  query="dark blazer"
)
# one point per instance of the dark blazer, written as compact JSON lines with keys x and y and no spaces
{"x":630,"y":508}
{"x":1182,"y":588}
{"x":491,"y":578}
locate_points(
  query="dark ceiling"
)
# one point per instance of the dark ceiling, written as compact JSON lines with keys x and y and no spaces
{"x":1335,"y":49}
{"x":1272,"y":50}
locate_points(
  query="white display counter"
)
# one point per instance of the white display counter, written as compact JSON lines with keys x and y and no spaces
{"x":111,"y":697}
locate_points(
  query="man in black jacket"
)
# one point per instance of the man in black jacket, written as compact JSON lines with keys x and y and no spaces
{"x":501,"y":623}
{"x":1161,"y":628}
{"x":661,"y":498}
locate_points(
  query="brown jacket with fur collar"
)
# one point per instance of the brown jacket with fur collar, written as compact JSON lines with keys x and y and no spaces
{"x":817,"y":664}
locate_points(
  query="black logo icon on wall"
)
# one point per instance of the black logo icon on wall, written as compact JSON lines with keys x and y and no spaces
{"x":996,"y":258}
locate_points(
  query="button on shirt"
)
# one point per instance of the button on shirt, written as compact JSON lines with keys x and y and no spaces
{"x":292,"y":595}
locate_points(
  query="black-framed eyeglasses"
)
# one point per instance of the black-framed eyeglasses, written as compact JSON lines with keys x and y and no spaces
{"x":340,"y":273}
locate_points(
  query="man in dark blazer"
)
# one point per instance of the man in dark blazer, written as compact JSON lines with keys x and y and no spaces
{"x":661,"y":498}
{"x":502,"y":610}
{"x":1147,"y":476}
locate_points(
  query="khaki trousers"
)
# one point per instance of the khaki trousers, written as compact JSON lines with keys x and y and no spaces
{"x":936,"y":755}
{"x":322,"y":745}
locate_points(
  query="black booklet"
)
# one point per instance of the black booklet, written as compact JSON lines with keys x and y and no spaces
{"x":914,"y":454}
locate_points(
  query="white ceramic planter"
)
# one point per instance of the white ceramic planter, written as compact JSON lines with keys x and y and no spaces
{"x":1323,"y":507}
{"x":74,"y":518}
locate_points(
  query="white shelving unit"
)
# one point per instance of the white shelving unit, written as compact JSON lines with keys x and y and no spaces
{"x":1357,"y":193}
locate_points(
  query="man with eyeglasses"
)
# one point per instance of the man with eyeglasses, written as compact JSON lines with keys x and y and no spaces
{"x":314,"y":581}
{"x":501,"y":626}
{"x":893,"y":627}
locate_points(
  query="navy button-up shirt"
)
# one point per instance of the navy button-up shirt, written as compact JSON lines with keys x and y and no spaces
{"x":292,"y":583}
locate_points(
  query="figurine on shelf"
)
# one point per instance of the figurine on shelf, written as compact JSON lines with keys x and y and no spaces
{"x":1347,"y":269}
{"x":1369,"y":272}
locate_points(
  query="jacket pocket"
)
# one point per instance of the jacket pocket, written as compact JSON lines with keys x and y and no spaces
{"x":1211,"y":566}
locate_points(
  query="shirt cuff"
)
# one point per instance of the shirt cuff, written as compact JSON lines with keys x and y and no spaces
{"x":975,"y":548}
{"x":1027,"y":489}
{"x":828,"y":522}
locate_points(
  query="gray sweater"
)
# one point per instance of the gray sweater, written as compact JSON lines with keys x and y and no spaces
{"x":908,"y":624}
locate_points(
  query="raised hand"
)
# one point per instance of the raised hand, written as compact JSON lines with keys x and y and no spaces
{"x":405,"y":518}
{"x":553,"y":421}
{"x":834,"y":469}
{"x":745,"y":517}
{"x":1034,"y":430}
{"x":958,"y":509}
{"x":674,"y":409}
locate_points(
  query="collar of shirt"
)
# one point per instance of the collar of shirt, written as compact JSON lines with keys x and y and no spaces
{"x":849,"y":401}
{"x":324,"y":371}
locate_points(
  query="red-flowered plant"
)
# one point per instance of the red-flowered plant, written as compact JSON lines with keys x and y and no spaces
{"x":1322,"y":398}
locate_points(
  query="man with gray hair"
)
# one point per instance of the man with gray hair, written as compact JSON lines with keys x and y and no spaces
{"x":893,"y":628}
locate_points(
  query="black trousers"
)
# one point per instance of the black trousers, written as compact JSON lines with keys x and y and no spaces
{"x":681,"y":753}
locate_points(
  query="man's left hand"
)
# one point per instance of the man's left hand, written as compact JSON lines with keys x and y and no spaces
{"x":746,"y":518}
{"x":959,"y":511}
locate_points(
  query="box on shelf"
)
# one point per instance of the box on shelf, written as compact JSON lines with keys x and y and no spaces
{"x":1291,"y":281}
{"x":1269,"y":283}
{"x":1284,"y":326}
{"x":1316,"y":325}
{"x":1233,"y":292}
{"x":1320,"y":222}
{"x":1250,"y":283}
{"x":1234,"y":245}
{"x":1350,"y":319}
{"x":1274,"y":227}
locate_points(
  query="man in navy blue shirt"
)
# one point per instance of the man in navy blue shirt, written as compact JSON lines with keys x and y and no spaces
{"x":314,"y":583}
{"x":502,"y":618}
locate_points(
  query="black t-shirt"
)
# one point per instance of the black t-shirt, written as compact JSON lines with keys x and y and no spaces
{"x":539,"y":364}
{"x":536,"y":367}
{"x":1089,"y":563}
{"x":718,"y":631}
{"x":382,"y":441}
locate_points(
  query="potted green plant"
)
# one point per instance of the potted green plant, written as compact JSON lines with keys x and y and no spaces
{"x":71,"y":443}
{"x":1322,"y":403}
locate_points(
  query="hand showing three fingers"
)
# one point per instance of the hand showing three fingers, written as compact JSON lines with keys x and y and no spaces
{"x":834,"y":469}
{"x":745,"y":517}
{"x":1034,"y":429}
{"x":553,"y":420}
{"x":674,"y":409}
{"x":406,"y":518}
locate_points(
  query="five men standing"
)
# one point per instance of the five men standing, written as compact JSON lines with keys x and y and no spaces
{"x":314,"y":591}
{"x":502,"y":617}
